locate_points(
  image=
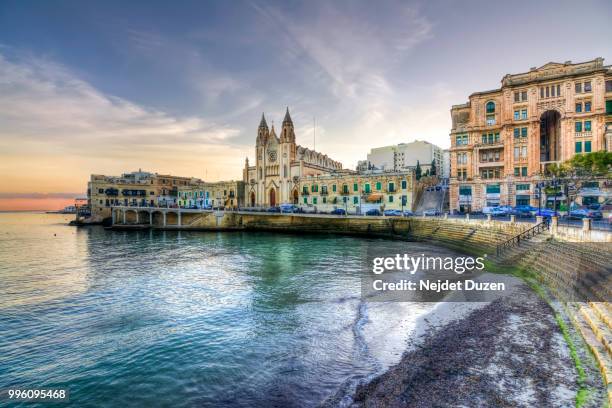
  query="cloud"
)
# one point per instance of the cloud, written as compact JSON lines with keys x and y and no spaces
{"x":56,"y":128}
{"x":38,"y":196}
{"x":44,"y":102}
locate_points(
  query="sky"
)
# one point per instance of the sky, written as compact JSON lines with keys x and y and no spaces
{"x":108,"y":87}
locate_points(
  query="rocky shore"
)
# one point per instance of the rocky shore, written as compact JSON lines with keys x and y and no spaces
{"x":507,"y":353}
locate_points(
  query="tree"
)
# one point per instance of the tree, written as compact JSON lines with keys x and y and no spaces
{"x":418,"y":171}
{"x":591,"y":164}
{"x":432,"y":172}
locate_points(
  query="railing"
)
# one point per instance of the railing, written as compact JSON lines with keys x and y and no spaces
{"x":530,"y":233}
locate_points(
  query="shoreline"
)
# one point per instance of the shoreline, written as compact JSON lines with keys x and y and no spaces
{"x":509,"y":352}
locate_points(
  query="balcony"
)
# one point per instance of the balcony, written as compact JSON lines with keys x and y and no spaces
{"x":345,"y":192}
{"x":584,"y":134}
{"x":495,"y":145}
{"x":324,"y":192}
{"x":498,"y":163}
{"x":305,"y":192}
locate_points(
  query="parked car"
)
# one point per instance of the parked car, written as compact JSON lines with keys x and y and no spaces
{"x":373,"y":211}
{"x":274,"y":210}
{"x":392,"y":213}
{"x":585,"y":213}
{"x":546,"y":213}
{"x":408,"y":213}
{"x":289,"y":208}
{"x":338,"y":211}
{"x":523,"y":211}
{"x":431,"y":212}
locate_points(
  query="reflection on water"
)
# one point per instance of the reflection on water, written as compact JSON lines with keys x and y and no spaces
{"x":189,"y":319}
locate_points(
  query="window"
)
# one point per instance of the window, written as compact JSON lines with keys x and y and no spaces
{"x":465,"y":190}
{"x":524,"y":114}
{"x":305,"y":190}
{"x":517,"y":115}
{"x":345,"y":189}
{"x":558,"y":90}
{"x":524,"y":171}
{"x":356,"y":187}
{"x":578,"y":107}
{"x":378,"y":185}
{"x":390,"y":198}
{"x":520,"y":96}
{"x":491,"y":107}
{"x":587,"y":146}
{"x":548,"y":92}
{"x":522,"y":187}
{"x":523,"y":95}
{"x":587,"y":125}
{"x":517,"y":133}
{"x":609,"y":106}
{"x":517,"y":97}
{"x":355,"y":200}
{"x":524,"y":151}
{"x":578,"y":87}
{"x":608,"y":86}
{"x":517,"y":151}
{"x":578,"y":127}
{"x":587,"y":86}
{"x":101,"y":191}
{"x":587,"y":106}
{"x":541,"y":93}
{"x":493,"y":189}
{"x":367,"y":188}
{"x":524,"y":132}
{"x":461,"y":140}
{"x":517,"y":171}
{"x":334,"y":188}
{"x":578,"y":148}
{"x":404,"y":184}
{"x":314,"y":200}
{"x":391,"y":187}
{"x":305,"y":200}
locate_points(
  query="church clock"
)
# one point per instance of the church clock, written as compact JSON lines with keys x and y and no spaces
{"x":272,"y":155}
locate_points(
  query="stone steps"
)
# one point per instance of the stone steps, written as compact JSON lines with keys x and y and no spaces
{"x":599,"y":351}
{"x":600,"y":329}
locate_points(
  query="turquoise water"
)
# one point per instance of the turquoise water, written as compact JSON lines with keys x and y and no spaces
{"x":182,"y":319}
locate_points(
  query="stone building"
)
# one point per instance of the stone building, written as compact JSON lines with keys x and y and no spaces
{"x":356,"y":193}
{"x":220,"y":194}
{"x":138,"y":188}
{"x":404,"y":156}
{"x":279,"y":164}
{"x":504,"y":140}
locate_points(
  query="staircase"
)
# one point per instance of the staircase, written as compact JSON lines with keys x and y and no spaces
{"x":580,"y":276}
{"x":431,"y":199}
{"x":521,"y":239}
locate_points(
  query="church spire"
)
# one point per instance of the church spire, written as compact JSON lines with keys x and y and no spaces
{"x":287,"y":117}
{"x":262,"y":123}
{"x":287,"y":132}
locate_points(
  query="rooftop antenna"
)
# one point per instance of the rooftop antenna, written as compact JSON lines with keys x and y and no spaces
{"x":314,"y":134}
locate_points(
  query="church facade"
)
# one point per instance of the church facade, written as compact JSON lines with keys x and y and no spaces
{"x":280,"y":163}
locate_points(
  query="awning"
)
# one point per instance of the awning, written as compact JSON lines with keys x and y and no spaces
{"x":374,"y":197}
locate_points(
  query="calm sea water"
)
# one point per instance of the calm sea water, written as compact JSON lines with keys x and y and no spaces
{"x":182,"y":319}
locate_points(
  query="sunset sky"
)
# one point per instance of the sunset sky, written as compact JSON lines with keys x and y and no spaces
{"x":179,"y":87}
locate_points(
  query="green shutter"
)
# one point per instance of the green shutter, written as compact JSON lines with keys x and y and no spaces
{"x":578,"y":127}
{"x":609,"y":106}
{"x":587,"y":146}
{"x":578,"y":147}
{"x":378,"y":186}
{"x":355,"y":200}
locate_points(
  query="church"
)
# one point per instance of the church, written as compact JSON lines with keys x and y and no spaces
{"x":280,"y":163}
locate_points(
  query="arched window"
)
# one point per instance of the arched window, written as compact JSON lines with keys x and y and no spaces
{"x":490,"y":107}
